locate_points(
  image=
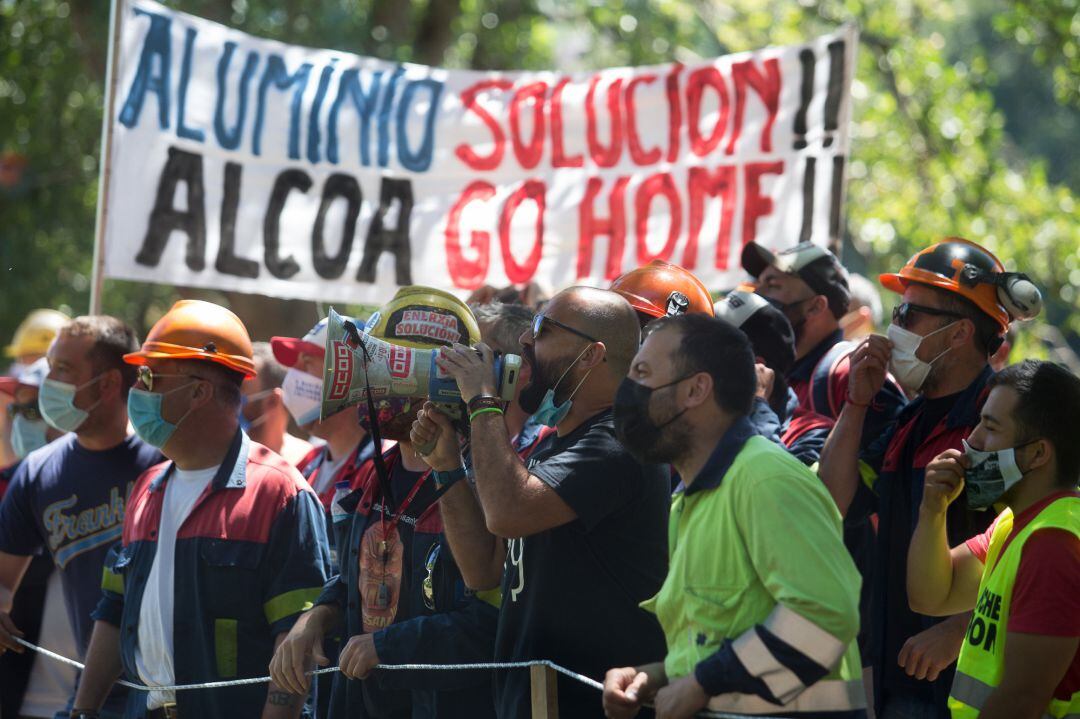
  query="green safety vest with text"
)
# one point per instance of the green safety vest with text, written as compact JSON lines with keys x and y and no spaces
{"x":982,"y":656}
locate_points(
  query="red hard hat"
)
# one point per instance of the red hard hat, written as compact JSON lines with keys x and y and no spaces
{"x":661,"y":288}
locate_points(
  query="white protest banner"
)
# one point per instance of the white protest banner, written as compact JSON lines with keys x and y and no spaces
{"x":245,"y":164}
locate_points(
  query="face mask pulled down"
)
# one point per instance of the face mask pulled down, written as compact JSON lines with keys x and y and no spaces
{"x":990,"y":475}
{"x":545,"y":411}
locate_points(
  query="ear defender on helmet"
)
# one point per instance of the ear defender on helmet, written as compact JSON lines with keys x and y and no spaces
{"x":1015,"y":290}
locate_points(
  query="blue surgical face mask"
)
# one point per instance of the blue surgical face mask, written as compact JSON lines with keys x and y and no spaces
{"x":144,"y":412}
{"x":27,"y":435}
{"x":549,"y":414}
{"x":249,"y":424}
{"x":56,"y":401}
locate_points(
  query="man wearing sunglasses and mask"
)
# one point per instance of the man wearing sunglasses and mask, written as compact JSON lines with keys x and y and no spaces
{"x":586,"y":521}
{"x":956,"y":305}
{"x":223,"y":546}
{"x":1021,"y":655}
{"x":88,"y":472}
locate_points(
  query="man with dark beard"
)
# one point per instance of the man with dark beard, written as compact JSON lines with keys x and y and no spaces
{"x":759,"y":604}
{"x":384,"y":546}
{"x":586,"y":521}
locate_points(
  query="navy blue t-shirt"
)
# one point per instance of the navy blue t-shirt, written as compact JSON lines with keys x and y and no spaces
{"x":70,"y":501}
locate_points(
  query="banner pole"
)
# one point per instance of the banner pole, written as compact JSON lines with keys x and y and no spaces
{"x":97,"y":277}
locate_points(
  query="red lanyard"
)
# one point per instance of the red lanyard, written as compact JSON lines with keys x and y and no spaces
{"x":401,"y":508}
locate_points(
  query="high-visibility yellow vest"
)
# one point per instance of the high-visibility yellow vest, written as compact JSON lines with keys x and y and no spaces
{"x":982,"y":656}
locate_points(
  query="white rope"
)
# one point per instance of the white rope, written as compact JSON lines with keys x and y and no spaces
{"x":587,"y":681}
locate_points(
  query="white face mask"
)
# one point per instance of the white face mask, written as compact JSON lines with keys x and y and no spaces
{"x":302,"y":396}
{"x":910,"y":371}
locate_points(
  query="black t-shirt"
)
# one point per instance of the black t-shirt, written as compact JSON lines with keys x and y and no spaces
{"x":570,"y":594}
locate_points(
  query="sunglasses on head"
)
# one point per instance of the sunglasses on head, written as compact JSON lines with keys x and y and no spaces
{"x":146,"y":376}
{"x":902,"y":313}
{"x":541,"y":320}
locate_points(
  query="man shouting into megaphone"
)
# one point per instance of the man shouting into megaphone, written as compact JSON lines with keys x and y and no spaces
{"x":387,"y":531}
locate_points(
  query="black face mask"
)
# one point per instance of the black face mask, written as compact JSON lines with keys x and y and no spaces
{"x":634,"y":428}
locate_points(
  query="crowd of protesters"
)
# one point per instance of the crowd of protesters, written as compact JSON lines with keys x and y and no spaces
{"x":753,"y":504}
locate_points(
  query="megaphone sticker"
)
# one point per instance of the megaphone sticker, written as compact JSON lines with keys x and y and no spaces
{"x":357,"y":362}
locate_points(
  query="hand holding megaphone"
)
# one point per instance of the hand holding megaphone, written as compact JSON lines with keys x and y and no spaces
{"x":434,"y":438}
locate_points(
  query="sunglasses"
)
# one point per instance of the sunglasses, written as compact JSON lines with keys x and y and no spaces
{"x":29,"y":410}
{"x":146,"y":376}
{"x":540,"y":321}
{"x":902,"y":313}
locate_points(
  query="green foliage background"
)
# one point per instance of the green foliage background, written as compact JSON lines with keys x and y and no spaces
{"x":966,"y":122}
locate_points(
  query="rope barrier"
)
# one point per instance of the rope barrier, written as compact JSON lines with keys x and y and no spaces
{"x":587,"y":681}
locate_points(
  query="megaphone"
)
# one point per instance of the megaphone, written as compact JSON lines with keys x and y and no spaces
{"x":356,"y":361}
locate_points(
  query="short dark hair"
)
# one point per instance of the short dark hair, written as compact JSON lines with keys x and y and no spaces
{"x":226,"y":381}
{"x":112,"y":339}
{"x":268,"y":370}
{"x":508,"y":322}
{"x":1048,"y":407}
{"x":712,"y":345}
{"x":988,"y":336}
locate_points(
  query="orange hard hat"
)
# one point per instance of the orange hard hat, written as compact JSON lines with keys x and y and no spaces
{"x":197,"y":330}
{"x":953,"y":265}
{"x":661,"y":288}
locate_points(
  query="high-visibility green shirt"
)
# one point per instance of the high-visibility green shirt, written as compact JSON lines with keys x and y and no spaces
{"x":761,"y":597}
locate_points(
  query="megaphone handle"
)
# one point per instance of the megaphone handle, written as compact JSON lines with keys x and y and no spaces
{"x":427,"y":448}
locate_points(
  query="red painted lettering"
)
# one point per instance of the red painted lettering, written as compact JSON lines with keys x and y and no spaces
{"x":699,"y":80}
{"x":520,"y":273}
{"x":470,"y":99}
{"x":659,"y":184}
{"x":559,"y":157}
{"x":756,"y":205}
{"x":528,"y":154}
{"x":590,"y":226}
{"x":702,"y":185}
{"x":767,"y":87}
{"x":604,"y":156}
{"x":674,"y":112}
{"x":465,"y":273}
{"x":637,"y":154}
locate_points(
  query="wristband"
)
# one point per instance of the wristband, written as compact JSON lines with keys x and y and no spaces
{"x":483,"y":401}
{"x":446,"y":479}
{"x":853,"y":403}
{"x":484,"y":410}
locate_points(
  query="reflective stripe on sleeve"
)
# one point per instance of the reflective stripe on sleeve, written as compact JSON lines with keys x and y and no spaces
{"x":289,"y":603}
{"x":805,"y":636}
{"x":756,"y":658}
{"x":828,"y":695}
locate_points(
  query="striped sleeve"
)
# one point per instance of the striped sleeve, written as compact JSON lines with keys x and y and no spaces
{"x":776,"y":660}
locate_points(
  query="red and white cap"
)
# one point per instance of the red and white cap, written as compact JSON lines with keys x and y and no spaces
{"x":31,"y":376}
{"x":287,"y":349}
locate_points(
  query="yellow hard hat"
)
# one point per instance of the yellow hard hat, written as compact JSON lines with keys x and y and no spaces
{"x":35,"y":333}
{"x":424,"y":317}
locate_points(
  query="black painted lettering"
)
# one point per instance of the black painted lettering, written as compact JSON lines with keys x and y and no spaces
{"x":227,"y":261}
{"x":181,"y":167}
{"x":286,"y":182}
{"x":337,"y":186}
{"x":394,"y":240}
